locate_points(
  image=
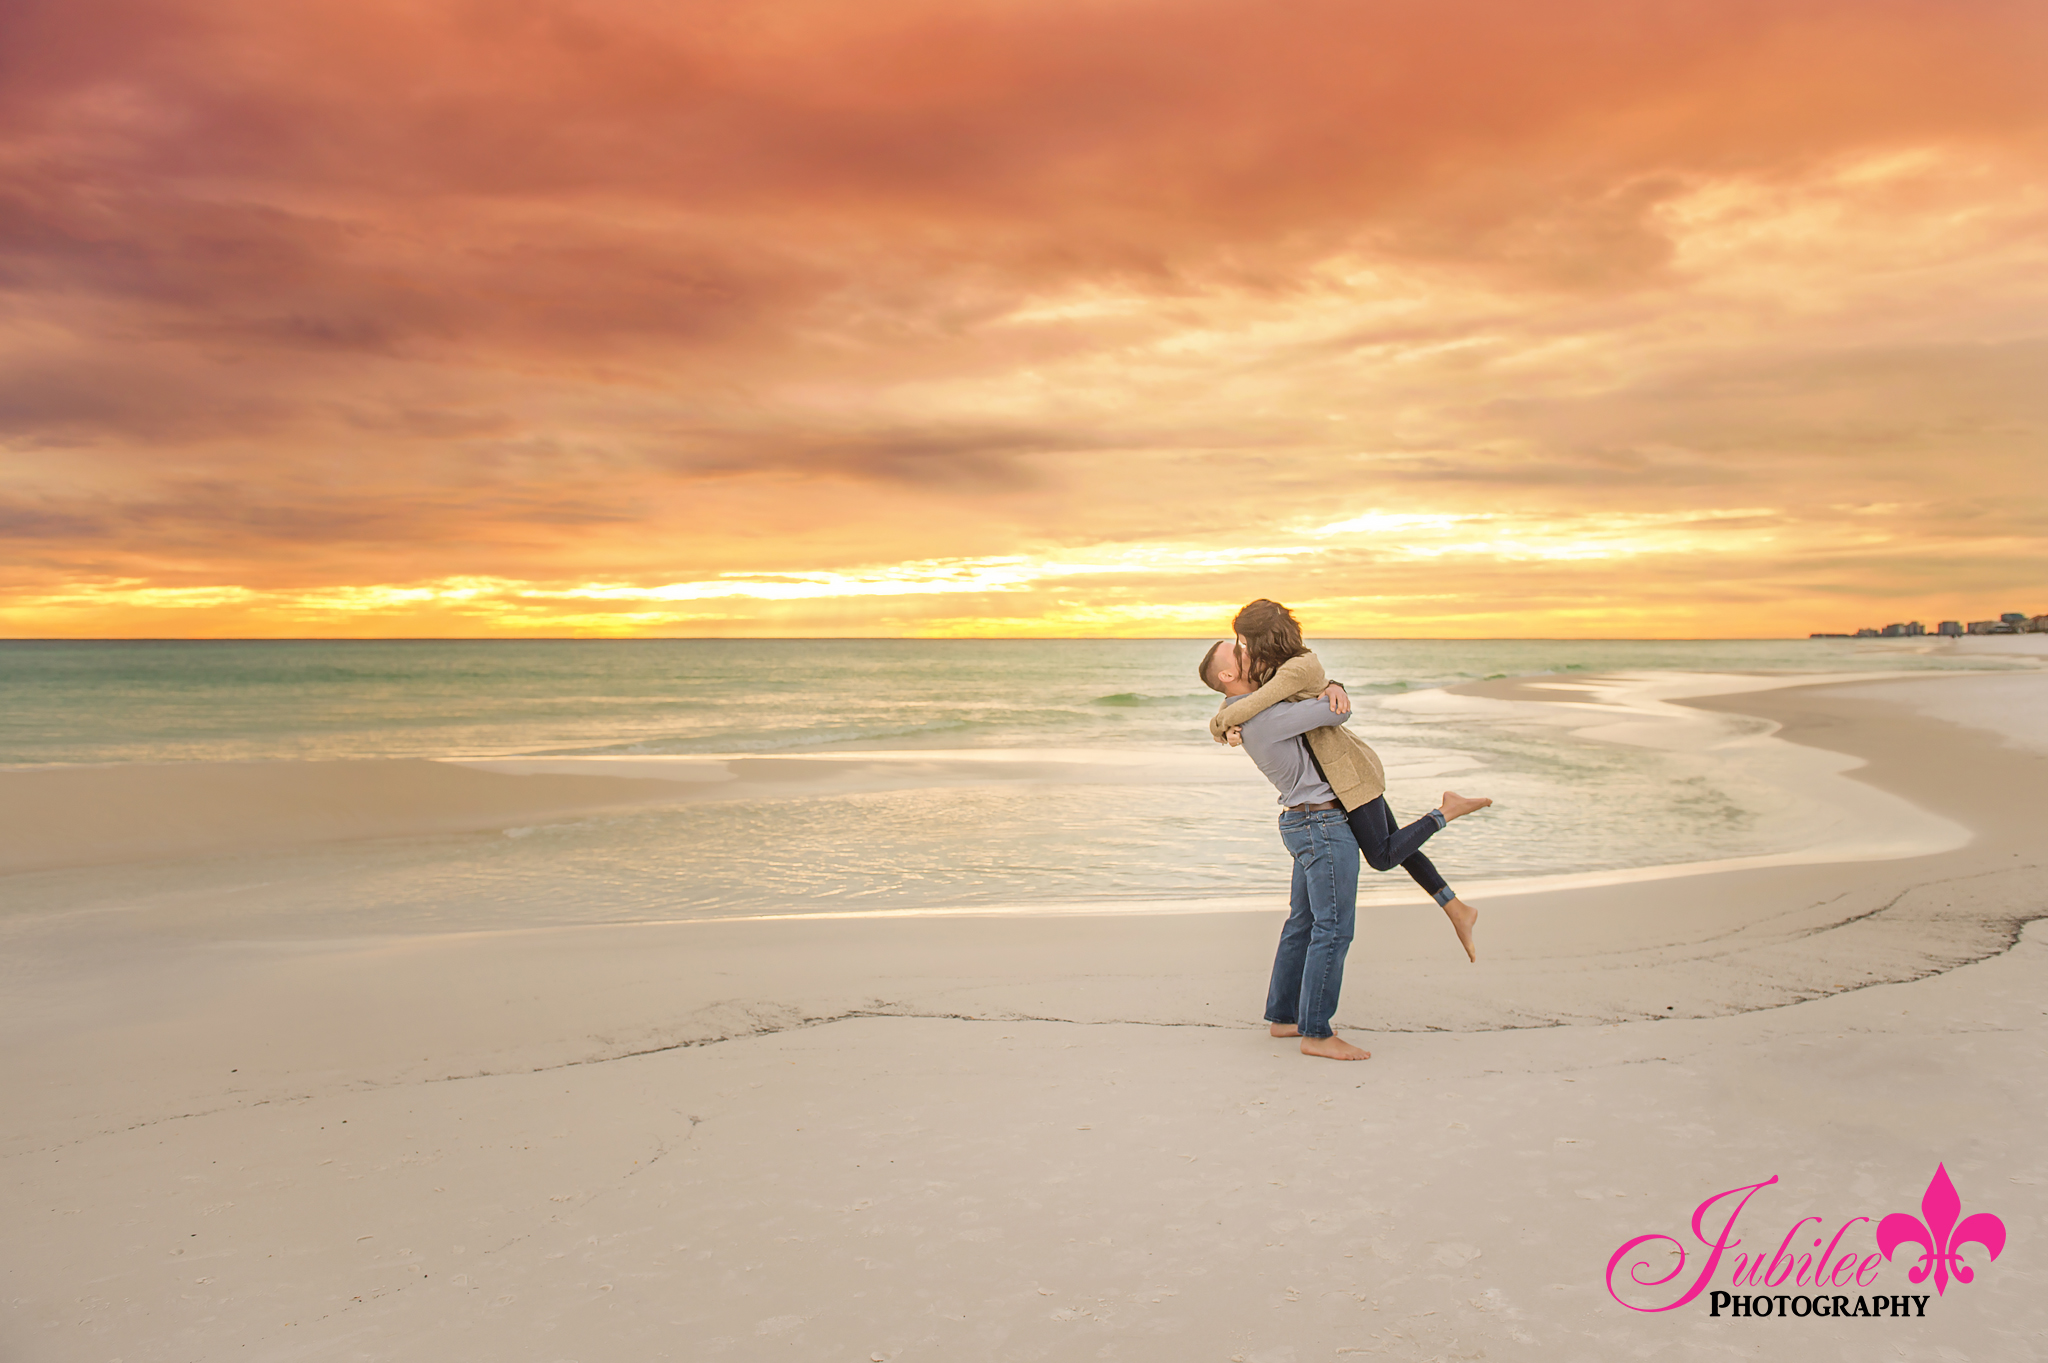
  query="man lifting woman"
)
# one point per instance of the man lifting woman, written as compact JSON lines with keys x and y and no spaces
{"x":1281,"y":708}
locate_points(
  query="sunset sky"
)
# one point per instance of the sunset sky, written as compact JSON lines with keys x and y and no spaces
{"x":1071,"y":317}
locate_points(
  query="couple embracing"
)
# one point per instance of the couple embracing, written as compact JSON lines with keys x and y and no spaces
{"x":1281,"y":708}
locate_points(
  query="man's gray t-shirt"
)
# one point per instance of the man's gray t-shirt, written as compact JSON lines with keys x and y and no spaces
{"x":1273,"y":738}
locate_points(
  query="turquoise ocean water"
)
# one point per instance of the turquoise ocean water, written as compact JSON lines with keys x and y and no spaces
{"x":1144,"y":810}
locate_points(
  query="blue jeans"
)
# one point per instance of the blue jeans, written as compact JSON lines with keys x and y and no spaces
{"x":1308,"y":969}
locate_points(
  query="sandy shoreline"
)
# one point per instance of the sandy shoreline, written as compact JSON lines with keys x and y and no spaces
{"x":92,"y":815}
{"x":1045,"y":1138}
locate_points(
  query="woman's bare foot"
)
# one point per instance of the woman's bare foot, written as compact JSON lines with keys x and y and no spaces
{"x":1464,"y":918}
{"x":1455,"y":804}
{"x":1332,"y":1048}
{"x":1284,"y":1029}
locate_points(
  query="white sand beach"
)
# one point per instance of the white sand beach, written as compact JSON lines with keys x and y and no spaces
{"x":1008,"y":1137}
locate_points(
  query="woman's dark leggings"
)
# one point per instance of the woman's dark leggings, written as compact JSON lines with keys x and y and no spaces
{"x":1386,"y":846}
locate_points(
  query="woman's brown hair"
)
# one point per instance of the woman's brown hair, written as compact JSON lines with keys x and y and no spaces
{"x":1271,"y":636}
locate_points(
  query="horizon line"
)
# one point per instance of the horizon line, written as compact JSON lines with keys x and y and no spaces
{"x":886,"y":638}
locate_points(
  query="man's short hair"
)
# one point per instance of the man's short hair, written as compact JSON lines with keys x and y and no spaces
{"x":1206,"y":671}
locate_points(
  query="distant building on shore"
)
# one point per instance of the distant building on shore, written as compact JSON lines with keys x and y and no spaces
{"x":2012,"y":622}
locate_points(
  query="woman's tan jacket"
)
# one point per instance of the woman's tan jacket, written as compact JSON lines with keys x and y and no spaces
{"x":1352,"y":769}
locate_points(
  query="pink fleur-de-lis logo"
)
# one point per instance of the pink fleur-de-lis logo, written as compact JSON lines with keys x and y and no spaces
{"x":1939,"y":1235}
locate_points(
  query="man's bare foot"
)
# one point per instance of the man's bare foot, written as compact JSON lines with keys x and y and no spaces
{"x":1284,"y":1029}
{"x":1464,"y":918}
{"x":1455,"y":804}
{"x":1332,"y":1048}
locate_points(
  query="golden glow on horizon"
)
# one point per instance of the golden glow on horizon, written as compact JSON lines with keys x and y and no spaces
{"x":1047,"y":586}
